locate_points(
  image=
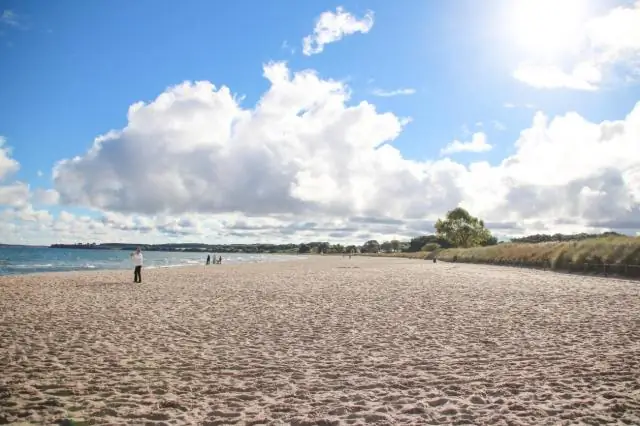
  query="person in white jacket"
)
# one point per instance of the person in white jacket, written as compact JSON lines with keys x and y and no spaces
{"x":137,"y":258}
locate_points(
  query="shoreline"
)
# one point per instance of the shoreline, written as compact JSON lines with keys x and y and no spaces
{"x":80,"y":273}
{"x":149,"y":267}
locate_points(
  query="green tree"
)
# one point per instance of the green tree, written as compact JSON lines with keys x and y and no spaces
{"x":417,"y":243}
{"x":430,"y":247}
{"x":491,"y":241}
{"x":323,"y":247}
{"x":461,"y":229}
{"x":395,"y":245}
{"x":337,"y":248}
{"x":386,"y":247}
{"x":304,"y":248}
{"x":371,"y":246}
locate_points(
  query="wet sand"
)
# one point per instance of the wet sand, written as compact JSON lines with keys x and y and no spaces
{"x":322,"y":341}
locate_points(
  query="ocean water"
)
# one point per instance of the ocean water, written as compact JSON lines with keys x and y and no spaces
{"x":26,"y":260}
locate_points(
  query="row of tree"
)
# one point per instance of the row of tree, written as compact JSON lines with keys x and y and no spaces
{"x":457,"y":229}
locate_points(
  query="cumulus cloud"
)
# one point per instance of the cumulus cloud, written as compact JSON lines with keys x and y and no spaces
{"x":391,"y":93}
{"x":608,"y":44}
{"x":27,"y":213}
{"x":305,"y":163}
{"x":17,"y":194}
{"x":478,"y":143}
{"x":26,"y":224}
{"x":8,"y":165}
{"x":14,"y":194}
{"x":331,"y":27}
{"x":616,"y":35}
{"x":301,"y":149}
{"x":47,"y":197}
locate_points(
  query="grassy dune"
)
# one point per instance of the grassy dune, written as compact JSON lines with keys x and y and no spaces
{"x":620,"y":254}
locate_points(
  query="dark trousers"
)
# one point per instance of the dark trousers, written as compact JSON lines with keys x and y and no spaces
{"x":137,"y":274}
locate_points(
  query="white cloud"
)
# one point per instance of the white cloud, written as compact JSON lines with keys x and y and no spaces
{"x":304,"y":164}
{"x":295,"y":152}
{"x":8,"y":165}
{"x":303,"y":151}
{"x":391,"y":93}
{"x":15,"y":194}
{"x":11,"y":194}
{"x":478,"y":143}
{"x":608,"y":44}
{"x":331,"y":27}
{"x":39,"y":173}
{"x":616,"y":35}
{"x":583,"y":77}
{"x":47,"y":197}
{"x":26,"y":213}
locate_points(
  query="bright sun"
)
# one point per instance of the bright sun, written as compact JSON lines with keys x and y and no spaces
{"x":546,"y":27}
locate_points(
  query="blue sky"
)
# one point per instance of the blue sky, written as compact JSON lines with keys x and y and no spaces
{"x":71,"y":69}
{"x":76,"y":67}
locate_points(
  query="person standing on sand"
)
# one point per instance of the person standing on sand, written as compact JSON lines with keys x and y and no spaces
{"x":137,"y":258}
{"x":208,"y":259}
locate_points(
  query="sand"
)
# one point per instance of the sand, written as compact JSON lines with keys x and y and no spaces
{"x":323,"y":341}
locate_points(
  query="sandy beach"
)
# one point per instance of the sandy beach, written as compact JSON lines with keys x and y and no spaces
{"x":323,"y":341}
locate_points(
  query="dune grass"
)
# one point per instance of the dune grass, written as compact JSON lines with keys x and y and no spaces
{"x":621,"y":255}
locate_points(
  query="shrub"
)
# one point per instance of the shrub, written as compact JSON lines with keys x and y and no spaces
{"x":430,"y":247}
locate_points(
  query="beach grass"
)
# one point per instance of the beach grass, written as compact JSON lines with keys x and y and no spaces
{"x":621,"y":254}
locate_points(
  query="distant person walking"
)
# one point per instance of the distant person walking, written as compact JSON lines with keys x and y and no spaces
{"x":137,"y":258}
{"x":220,"y":260}
{"x":208,"y":259}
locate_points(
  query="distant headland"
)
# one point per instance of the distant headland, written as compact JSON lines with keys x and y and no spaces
{"x":187,"y":247}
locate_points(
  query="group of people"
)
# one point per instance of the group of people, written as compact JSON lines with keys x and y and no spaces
{"x":137,"y":258}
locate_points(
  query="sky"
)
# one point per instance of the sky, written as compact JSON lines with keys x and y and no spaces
{"x":291,"y":121}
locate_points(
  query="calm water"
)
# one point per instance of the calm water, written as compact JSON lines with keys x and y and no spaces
{"x":30,"y":260}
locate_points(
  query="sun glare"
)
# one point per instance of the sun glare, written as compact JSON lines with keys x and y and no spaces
{"x":546,"y":27}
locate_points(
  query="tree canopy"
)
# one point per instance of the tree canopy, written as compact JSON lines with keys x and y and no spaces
{"x":371,"y":246}
{"x":542,"y":238}
{"x":461,"y":229}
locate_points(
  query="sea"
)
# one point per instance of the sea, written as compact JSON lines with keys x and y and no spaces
{"x":27,"y":260}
